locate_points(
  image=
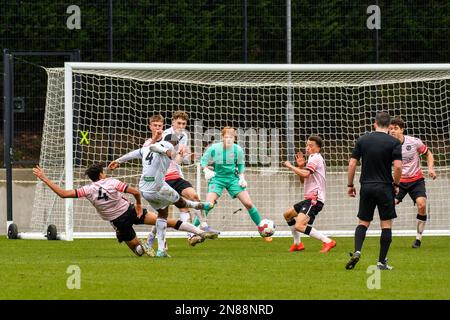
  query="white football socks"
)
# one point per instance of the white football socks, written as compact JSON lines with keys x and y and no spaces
{"x":161,"y":226}
{"x":186,"y":226}
{"x":192,"y":204}
{"x":295,"y":234}
{"x":185,"y":216}
{"x":319,"y":235}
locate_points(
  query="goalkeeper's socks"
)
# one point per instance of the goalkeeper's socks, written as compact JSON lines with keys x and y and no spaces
{"x":161,"y":226}
{"x":197,"y":221}
{"x":254,"y":215}
{"x":294,"y":231}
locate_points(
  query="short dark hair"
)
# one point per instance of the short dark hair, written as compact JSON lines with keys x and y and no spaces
{"x":383,"y":119}
{"x":93,"y":172}
{"x":398,"y":121}
{"x":318,"y":140}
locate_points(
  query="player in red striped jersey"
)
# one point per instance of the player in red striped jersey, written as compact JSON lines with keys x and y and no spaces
{"x":412,"y":181}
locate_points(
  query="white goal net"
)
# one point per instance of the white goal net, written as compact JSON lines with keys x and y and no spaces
{"x":274,"y":108}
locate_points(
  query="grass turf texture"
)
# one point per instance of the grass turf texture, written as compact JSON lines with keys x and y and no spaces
{"x":222,"y":269}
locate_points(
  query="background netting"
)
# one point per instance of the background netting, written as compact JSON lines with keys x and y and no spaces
{"x":113,"y":106}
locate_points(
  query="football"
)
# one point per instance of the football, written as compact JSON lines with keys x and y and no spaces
{"x":266,"y":228}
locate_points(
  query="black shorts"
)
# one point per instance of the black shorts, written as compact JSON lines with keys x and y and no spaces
{"x":376,"y":195}
{"x":415,"y":190}
{"x":179,"y":185}
{"x":124,"y":224}
{"x":306,"y":207}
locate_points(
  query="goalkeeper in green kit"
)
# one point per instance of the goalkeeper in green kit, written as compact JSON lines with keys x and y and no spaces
{"x":226,"y":159}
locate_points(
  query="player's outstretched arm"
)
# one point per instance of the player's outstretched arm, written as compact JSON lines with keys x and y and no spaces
{"x":137,"y":195}
{"x":135,"y":154}
{"x":39,"y":173}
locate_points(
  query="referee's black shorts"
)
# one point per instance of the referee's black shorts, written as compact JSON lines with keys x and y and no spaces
{"x":179,"y":185}
{"x":377,"y":195}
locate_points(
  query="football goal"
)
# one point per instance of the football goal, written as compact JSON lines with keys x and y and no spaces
{"x":96,"y":112}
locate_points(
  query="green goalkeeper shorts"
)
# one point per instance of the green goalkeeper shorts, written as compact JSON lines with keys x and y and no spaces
{"x":217,"y":185}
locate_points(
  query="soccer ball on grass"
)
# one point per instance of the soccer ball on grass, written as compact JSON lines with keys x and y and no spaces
{"x":266,"y":228}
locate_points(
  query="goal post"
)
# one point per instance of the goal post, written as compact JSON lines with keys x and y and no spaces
{"x":336,"y":102}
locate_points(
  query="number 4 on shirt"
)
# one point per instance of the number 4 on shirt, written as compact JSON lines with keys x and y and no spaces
{"x":102,"y":195}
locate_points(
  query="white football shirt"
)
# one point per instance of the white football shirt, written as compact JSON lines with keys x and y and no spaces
{"x":174,"y":171}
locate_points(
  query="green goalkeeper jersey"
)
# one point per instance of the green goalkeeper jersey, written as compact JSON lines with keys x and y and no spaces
{"x":226,"y":162}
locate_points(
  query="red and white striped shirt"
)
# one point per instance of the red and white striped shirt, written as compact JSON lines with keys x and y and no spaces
{"x":174,"y":172}
{"x":412,"y":149}
{"x":316,"y":183}
{"x":106,"y":195}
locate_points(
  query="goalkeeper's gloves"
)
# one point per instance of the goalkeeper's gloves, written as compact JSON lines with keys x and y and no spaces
{"x":242,"y":181}
{"x":159,"y":148}
{"x":209,"y":174}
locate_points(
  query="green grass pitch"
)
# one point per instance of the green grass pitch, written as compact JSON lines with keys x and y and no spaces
{"x":244,"y":268}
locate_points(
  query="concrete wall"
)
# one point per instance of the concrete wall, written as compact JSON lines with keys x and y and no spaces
{"x":272,"y":192}
{"x":23,"y":197}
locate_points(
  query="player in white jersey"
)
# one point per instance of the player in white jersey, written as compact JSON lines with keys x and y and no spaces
{"x":156,"y":155}
{"x":106,"y":195}
{"x":412,"y":181}
{"x":174,"y":176}
{"x":301,"y":216}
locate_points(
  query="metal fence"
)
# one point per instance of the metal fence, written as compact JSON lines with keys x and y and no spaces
{"x":253,"y":31}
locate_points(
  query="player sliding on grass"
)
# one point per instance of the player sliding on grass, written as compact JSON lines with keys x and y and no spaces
{"x":226,"y":158}
{"x":106,"y":195}
{"x":412,"y":181}
{"x":301,"y":216}
{"x":156,"y":156}
{"x":174,"y":176}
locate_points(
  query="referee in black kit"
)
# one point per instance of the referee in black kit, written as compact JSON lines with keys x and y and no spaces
{"x":377,"y":151}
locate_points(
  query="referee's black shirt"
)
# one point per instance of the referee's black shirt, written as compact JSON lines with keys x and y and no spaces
{"x":378,"y":150}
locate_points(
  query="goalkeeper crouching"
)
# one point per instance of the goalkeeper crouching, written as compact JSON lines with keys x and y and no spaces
{"x":223,"y":165}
